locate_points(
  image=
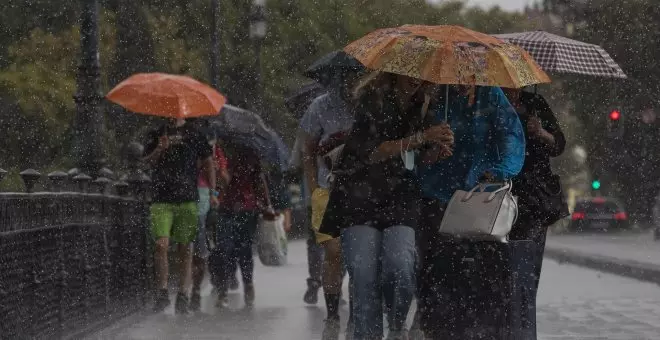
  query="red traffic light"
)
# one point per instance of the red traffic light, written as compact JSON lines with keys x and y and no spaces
{"x":615,"y":115}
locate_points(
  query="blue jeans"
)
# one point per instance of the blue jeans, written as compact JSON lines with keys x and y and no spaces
{"x":381,"y":266}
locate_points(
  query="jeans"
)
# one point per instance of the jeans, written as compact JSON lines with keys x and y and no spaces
{"x":381,"y":265}
{"x":234,"y":244}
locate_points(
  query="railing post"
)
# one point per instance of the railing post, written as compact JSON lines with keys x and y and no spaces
{"x":71,"y":183}
{"x":121,"y":188}
{"x":82,"y":182}
{"x":57,"y":180}
{"x":137,"y":180}
{"x":102,"y":184}
{"x":30,"y":178}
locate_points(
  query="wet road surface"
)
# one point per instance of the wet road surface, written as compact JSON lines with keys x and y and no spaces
{"x":574,"y":303}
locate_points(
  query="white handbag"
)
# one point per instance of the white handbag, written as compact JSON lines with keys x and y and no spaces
{"x":482,"y":215}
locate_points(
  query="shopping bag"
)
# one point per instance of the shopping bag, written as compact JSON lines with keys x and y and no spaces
{"x":272,"y":243}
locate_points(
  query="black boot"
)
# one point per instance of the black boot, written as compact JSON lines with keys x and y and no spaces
{"x":162,"y":300}
{"x":181,"y":305}
{"x":312,"y":294}
{"x":195,"y":301}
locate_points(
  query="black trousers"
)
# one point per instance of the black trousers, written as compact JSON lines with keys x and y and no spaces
{"x":528,"y":227}
{"x":450,"y":288}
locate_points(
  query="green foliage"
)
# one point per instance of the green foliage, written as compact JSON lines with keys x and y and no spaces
{"x":38,"y":68}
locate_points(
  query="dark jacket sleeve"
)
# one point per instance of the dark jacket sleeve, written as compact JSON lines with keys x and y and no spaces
{"x":550,"y":124}
{"x":152,"y":140}
{"x":360,"y":143}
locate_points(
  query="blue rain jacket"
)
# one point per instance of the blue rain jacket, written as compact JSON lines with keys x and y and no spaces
{"x":488,"y":137}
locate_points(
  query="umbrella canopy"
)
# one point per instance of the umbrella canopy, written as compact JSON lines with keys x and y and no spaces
{"x":302,"y":98}
{"x":333,"y":63}
{"x":447,"y":55}
{"x":167,"y":95}
{"x":558,"y":54}
{"x":247,"y":129}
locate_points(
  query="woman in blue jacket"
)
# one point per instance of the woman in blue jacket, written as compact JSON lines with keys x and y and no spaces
{"x":489,"y":144}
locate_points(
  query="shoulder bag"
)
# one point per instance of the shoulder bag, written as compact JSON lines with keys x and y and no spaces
{"x":480,"y":214}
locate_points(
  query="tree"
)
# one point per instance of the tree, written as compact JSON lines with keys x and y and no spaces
{"x":37,"y":70}
{"x":630,"y":32}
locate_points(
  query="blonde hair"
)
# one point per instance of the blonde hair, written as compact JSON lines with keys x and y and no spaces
{"x":370,"y":83}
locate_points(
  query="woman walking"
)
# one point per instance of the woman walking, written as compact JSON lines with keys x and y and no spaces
{"x":377,"y":229}
{"x":540,"y":198}
{"x":247,"y":197}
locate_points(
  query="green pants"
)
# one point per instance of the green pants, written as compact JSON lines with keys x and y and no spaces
{"x":177,"y":221}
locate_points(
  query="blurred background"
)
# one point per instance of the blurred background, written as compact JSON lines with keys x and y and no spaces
{"x":612,"y":126}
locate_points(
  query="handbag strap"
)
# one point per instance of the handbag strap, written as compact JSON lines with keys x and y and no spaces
{"x":507,"y":185}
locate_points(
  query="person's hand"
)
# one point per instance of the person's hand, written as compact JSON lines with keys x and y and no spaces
{"x":487,"y":177}
{"x":214,"y":201}
{"x":437,"y":153}
{"x":534,"y":127}
{"x":163,"y":143}
{"x":287,"y":225}
{"x":439,"y":134}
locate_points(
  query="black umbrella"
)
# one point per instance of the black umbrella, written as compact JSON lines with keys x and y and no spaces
{"x":299,"y":101}
{"x":324,"y":69}
{"x":247,"y":129}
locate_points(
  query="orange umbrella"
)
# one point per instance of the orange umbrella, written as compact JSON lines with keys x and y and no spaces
{"x":167,"y":95}
{"x":447,"y":55}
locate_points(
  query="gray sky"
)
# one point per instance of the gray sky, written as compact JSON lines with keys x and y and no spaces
{"x":511,"y":5}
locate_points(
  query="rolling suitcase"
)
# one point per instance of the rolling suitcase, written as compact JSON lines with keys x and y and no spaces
{"x":480,"y":290}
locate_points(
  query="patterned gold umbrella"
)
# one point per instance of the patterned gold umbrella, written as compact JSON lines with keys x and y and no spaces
{"x":447,"y":55}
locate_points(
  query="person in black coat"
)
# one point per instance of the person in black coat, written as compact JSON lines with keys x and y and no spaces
{"x":540,"y":198}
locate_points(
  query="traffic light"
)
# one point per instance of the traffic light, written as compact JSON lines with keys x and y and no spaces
{"x":615,"y":124}
{"x":615,"y":115}
{"x":595,"y":184}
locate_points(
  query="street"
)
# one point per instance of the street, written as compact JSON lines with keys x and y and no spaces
{"x":574,"y":303}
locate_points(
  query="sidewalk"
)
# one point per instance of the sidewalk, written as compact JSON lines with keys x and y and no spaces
{"x":630,"y":254}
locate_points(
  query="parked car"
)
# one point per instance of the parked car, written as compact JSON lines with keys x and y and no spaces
{"x":598,"y":214}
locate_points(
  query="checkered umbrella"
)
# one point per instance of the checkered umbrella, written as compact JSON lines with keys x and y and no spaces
{"x":562,"y":55}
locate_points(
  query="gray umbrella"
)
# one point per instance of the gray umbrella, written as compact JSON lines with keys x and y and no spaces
{"x":246,"y":128}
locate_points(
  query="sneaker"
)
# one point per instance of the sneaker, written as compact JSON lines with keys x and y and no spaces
{"x":195,"y":302}
{"x":248,"y":295}
{"x":397,"y":335}
{"x":233,"y":284}
{"x":181,"y":304}
{"x":331,"y":329}
{"x":223,"y":301}
{"x":415,"y":334}
{"x":162,"y":301}
{"x":311,"y":296}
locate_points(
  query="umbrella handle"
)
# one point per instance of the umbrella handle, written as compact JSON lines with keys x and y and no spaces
{"x":447,"y":104}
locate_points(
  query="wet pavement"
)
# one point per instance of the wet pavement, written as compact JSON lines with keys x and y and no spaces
{"x":639,"y":247}
{"x":574,"y":303}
